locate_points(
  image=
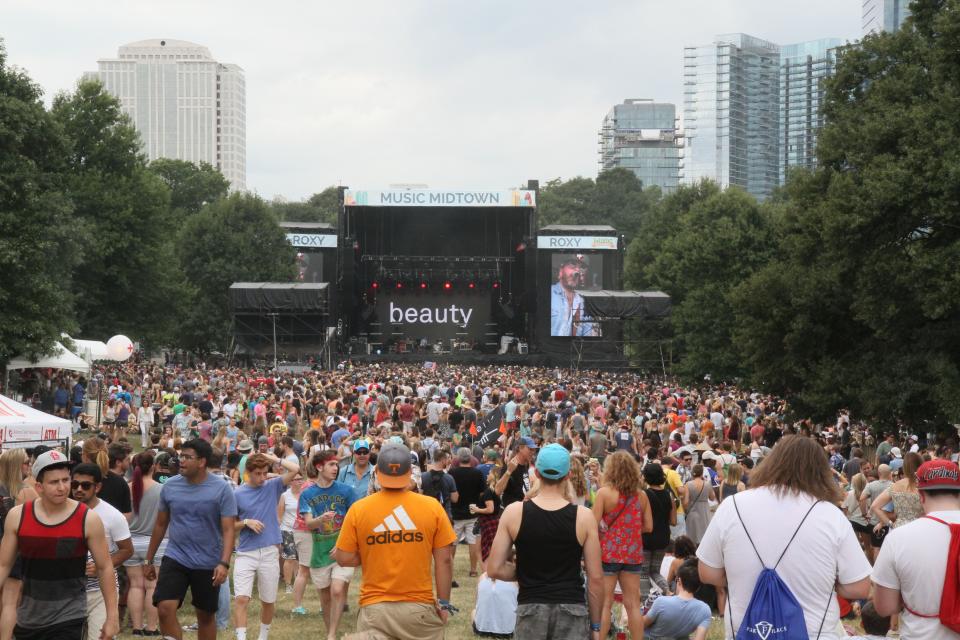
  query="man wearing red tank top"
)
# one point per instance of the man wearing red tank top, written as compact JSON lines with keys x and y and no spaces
{"x":52,"y":535}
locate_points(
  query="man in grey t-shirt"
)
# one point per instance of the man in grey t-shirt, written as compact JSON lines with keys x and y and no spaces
{"x":870,"y":493}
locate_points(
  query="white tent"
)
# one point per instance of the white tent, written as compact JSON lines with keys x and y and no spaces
{"x":91,"y":350}
{"x":23,"y":426}
{"x":61,"y":359}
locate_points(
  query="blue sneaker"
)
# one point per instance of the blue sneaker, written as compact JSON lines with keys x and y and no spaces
{"x":299,"y":611}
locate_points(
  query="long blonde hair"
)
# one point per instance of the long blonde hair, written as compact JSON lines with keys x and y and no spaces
{"x":622,"y":472}
{"x":11,"y":470}
{"x":95,"y":451}
{"x":577,"y":478}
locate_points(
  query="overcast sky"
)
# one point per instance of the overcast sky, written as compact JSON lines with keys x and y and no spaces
{"x":447,"y":93}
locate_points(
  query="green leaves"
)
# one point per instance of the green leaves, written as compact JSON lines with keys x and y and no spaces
{"x":235,"y":239}
{"x":38,"y":244}
{"x":617,"y":198}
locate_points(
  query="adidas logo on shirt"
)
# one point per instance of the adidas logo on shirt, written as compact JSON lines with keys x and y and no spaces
{"x":396,"y":527}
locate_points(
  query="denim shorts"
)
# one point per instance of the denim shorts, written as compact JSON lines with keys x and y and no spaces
{"x":613,"y":568}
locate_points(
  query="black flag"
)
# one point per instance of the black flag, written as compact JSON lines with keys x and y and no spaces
{"x":490,"y":427}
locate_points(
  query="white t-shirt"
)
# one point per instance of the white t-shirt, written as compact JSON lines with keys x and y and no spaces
{"x":290,"y":502}
{"x":496,"y":610}
{"x":116,"y":528}
{"x":824,"y":546}
{"x":913,"y":560}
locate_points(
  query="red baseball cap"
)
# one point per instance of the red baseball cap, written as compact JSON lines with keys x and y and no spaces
{"x":938,"y":474}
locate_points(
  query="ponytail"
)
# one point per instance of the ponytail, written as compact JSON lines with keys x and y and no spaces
{"x":142,"y":463}
{"x":103,"y":461}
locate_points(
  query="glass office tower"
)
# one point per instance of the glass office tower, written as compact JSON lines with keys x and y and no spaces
{"x":884,"y":15}
{"x":731,"y":113}
{"x":803,"y":67}
{"x":641,"y":135}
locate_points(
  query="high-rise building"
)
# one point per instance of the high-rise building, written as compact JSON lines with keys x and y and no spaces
{"x":803,"y":67}
{"x":731,"y":113}
{"x":185,"y":104}
{"x":884,"y":15}
{"x":641,"y":135}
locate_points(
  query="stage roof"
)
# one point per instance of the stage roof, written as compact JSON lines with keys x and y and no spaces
{"x":279,"y":296}
{"x":592,"y":228}
{"x":626,"y":304}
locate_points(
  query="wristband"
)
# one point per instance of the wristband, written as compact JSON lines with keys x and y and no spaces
{"x":594,"y":626}
{"x":225,"y":565}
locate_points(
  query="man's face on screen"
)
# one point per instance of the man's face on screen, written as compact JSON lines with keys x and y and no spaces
{"x":572,"y":276}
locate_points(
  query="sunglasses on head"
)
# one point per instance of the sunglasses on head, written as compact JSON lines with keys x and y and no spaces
{"x":86,"y":485}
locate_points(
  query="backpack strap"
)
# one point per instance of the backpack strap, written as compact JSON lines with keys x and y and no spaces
{"x":750,"y":538}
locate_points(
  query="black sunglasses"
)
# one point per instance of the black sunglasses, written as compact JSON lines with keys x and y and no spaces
{"x":86,"y":485}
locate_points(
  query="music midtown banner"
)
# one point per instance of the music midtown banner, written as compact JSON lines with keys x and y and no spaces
{"x":437,"y":198}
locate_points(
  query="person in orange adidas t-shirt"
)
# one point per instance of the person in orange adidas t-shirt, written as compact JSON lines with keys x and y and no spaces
{"x":394,"y":535}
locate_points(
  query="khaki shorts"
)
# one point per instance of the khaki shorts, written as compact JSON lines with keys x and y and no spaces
{"x":96,"y":615}
{"x":304,"y":542}
{"x":262,"y":564}
{"x":323,"y":576}
{"x":464,"y":530}
{"x":398,"y":621}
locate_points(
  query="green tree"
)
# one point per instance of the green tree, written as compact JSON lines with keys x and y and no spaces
{"x":616,"y":198}
{"x":659,"y":223}
{"x":320,"y":207}
{"x":235,"y":239}
{"x":125,"y":278}
{"x":712,"y":242}
{"x":861,"y":305}
{"x":38,"y":243}
{"x":191,"y":185}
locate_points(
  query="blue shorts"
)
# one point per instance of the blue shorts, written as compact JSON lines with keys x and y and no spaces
{"x":613,"y":568}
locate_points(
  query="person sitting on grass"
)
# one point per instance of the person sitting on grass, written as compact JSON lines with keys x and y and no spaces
{"x":680,"y":615}
{"x":495,"y":615}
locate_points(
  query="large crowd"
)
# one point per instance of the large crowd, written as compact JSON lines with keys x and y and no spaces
{"x":596,"y":503}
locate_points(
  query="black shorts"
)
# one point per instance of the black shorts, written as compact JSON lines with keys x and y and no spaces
{"x":861,"y":528}
{"x":175,"y":579}
{"x":68,"y":630}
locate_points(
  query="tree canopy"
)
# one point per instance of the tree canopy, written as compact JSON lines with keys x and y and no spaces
{"x":124,"y":275}
{"x":235,"y":239}
{"x":39,"y":246}
{"x":615,"y":198}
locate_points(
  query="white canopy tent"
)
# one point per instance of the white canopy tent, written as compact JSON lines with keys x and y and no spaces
{"x":91,"y":350}
{"x":22,"y":426}
{"x":61,"y":359}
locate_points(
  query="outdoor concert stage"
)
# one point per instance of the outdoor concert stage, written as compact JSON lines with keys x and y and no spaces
{"x":421,"y":275}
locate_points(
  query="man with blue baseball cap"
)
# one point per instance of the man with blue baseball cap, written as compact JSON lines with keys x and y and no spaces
{"x":358,"y":474}
{"x":551,"y":536}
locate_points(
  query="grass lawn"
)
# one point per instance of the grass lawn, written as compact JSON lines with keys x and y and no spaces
{"x":288,"y":627}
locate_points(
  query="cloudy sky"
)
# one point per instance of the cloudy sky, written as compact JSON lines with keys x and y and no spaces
{"x":442,"y":92}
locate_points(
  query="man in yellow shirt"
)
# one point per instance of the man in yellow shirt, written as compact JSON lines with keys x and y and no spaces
{"x":675,"y":484}
{"x":395,"y":535}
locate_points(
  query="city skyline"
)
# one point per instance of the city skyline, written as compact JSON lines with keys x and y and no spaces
{"x":372,"y":94}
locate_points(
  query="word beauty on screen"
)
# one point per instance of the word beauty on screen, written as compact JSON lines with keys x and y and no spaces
{"x":430,"y":315}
